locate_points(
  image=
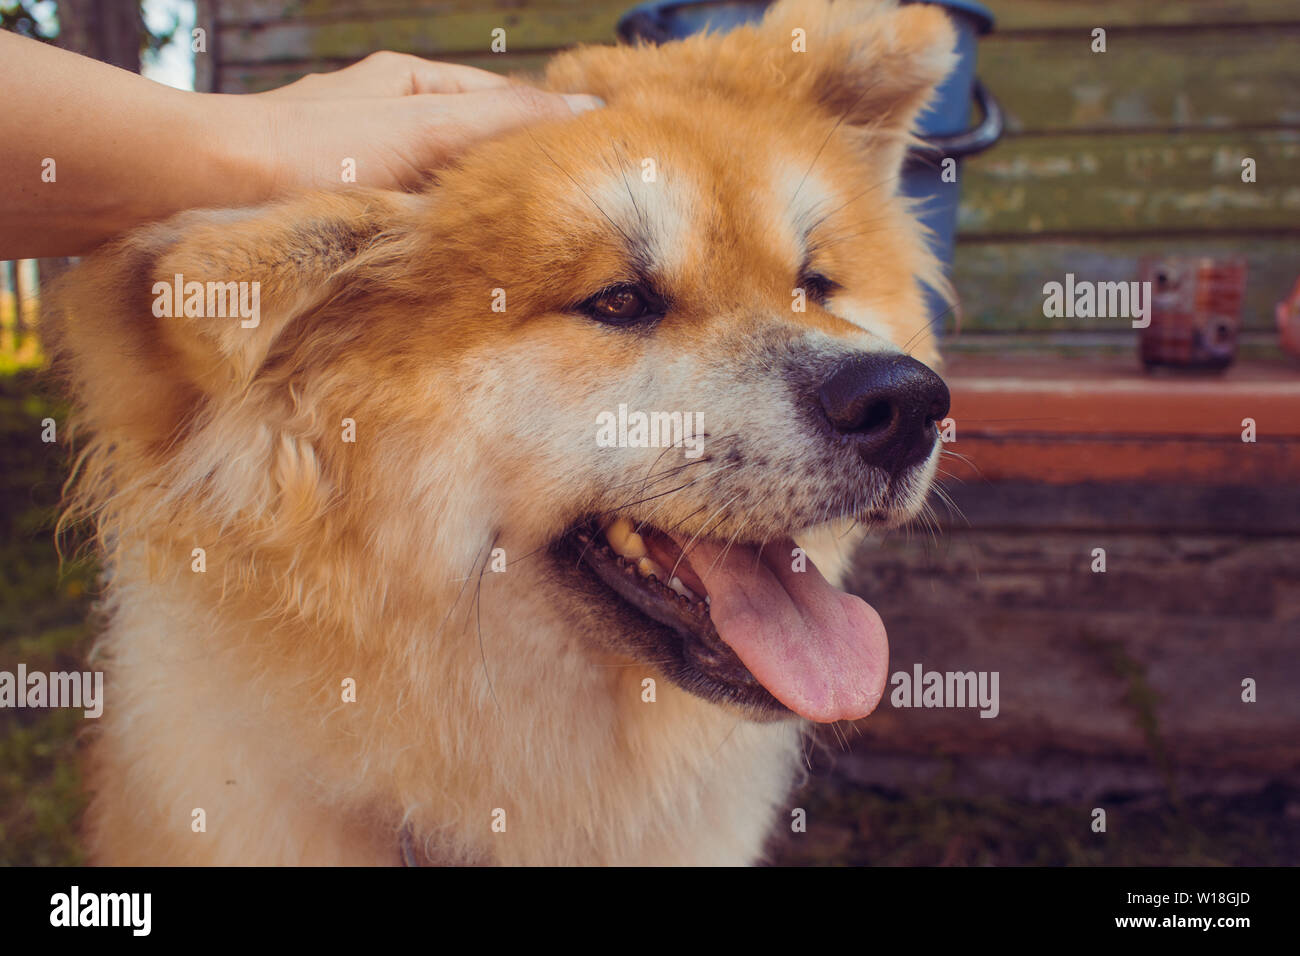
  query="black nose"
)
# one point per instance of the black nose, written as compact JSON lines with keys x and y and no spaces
{"x":887,"y":404}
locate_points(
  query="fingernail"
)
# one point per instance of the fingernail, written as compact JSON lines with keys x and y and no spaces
{"x":580,"y":102}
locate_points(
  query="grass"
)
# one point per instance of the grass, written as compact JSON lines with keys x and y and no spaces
{"x":43,"y":613}
{"x":18,"y":352}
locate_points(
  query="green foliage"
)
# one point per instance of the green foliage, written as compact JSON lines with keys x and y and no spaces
{"x":43,"y":611}
{"x":18,"y":16}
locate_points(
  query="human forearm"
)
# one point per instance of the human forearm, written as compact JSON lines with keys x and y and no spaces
{"x":89,"y":152}
{"x":92,"y":150}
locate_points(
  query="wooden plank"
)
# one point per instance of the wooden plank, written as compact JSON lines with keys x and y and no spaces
{"x":1011,"y":15}
{"x":1063,"y":461}
{"x":1122,"y":183}
{"x":1001,"y":282}
{"x":1158,"y":571}
{"x":1062,"y":422}
{"x":1014,"y":15}
{"x":1143,"y":81}
{"x":1084,"y":346}
{"x":1187,"y":506}
{"x":1272,"y":377}
{"x":261,"y":11}
{"x":426,"y":35}
{"x":1114,"y":398}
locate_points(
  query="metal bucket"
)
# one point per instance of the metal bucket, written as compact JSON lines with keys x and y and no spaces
{"x":945,"y":126}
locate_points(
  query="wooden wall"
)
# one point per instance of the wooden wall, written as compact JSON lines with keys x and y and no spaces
{"x":1108,"y":156}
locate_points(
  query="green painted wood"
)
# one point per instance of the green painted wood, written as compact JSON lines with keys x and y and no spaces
{"x":1245,"y":78}
{"x":1001,"y":283}
{"x":1123,"y":183}
{"x":433,"y":34}
{"x":1182,"y":80}
{"x":260,"y":11}
{"x":1011,"y":15}
{"x":1148,"y":80}
{"x":1086,"y":14}
{"x":263,"y":11}
{"x":1198,"y":79}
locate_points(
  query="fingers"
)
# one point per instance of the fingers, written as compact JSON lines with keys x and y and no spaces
{"x":433,"y":77}
{"x":400,"y":74}
{"x":456,"y":121}
{"x":392,"y":74}
{"x":394,"y":140}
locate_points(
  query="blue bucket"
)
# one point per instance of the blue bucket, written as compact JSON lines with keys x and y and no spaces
{"x":946,"y":126}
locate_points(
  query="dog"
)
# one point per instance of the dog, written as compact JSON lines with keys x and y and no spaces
{"x":376,"y":591}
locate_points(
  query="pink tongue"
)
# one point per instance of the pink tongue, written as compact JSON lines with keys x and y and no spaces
{"x":819,"y":651}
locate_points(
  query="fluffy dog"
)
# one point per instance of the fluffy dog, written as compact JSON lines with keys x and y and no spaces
{"x":374,"y":582}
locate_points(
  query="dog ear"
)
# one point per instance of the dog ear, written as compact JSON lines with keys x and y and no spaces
{"x":873,"y":65}
{"x":870,"y":65}
{"x":192,"y":307}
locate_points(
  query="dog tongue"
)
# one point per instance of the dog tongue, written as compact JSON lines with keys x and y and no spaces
{"x":817,"y":650}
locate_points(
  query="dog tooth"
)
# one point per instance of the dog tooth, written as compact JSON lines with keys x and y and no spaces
{"x":677,"y":585}
{"x":647,"y":567}
{"x":635,"y":546}
{"x":624,"y":540}
{"x":616,"y":531}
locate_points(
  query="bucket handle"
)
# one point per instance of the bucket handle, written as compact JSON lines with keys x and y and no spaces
{"x":976,"y":139}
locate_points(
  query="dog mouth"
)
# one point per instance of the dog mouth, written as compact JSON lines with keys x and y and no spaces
{"x":752,"y":625}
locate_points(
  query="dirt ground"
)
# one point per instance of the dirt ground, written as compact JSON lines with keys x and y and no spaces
{"x":849,"y":825}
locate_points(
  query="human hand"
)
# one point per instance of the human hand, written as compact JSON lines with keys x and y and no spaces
{"x":397,"y":116}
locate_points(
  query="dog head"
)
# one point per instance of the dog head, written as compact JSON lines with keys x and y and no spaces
{"x":629,"y":355}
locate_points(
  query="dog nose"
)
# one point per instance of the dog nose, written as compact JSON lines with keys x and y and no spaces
{"x":887,"y":404}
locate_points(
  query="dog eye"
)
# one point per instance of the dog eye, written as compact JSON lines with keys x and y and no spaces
{"x":622,"y":305}
{"x":817,"y":287}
